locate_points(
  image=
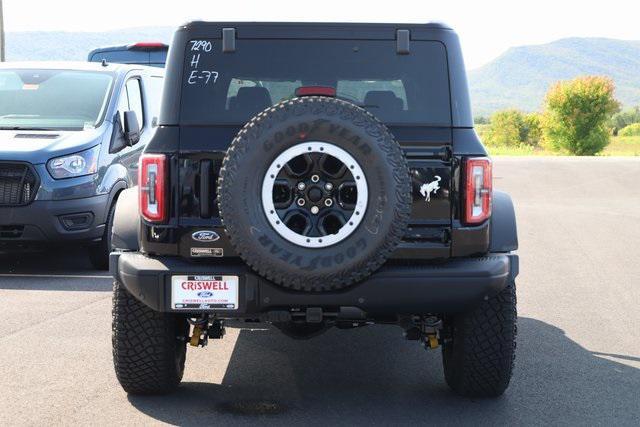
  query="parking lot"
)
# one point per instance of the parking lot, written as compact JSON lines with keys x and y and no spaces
{"x":578,"y":358}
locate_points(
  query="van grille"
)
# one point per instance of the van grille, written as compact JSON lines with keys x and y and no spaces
{"x":18,"y":184}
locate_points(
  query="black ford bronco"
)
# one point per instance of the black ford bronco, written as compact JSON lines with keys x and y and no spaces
{"x":315,"y":176}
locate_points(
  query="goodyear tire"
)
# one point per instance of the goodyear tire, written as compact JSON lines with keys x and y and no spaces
{"x":149,"y":348}
{"x":314,"y":193}
{"x":479,"y":357}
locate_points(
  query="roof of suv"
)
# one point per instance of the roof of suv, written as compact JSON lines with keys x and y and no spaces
{"x":340,"y":30}
{"x":326,"y":24}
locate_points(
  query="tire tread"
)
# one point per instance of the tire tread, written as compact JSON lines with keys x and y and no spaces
{"x":480,"y":360}
{"x":144,"y":346}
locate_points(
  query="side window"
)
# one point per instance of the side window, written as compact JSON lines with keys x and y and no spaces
{"x":134,"y":93}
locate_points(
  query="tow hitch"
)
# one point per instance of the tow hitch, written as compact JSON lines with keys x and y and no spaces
{"x":203,"y":329}
{"x":426,"y":330}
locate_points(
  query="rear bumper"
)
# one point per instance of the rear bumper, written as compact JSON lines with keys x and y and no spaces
{"x":453,"y":287}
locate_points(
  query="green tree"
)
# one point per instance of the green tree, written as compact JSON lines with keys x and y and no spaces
{"x":504,"y":128}
{"x":532,"y":129}
{"x":577,"y":113}
{"x":512,"y":128}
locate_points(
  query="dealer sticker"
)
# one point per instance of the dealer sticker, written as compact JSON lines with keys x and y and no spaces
{"x":204,"y":292}
{"x":207,"y":252}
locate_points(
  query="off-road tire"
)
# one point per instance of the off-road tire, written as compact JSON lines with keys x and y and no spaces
{"x":149,"y":347}
{"x":99,"y":252}
{"x":479,"y":358}
{"x":289,"y":124}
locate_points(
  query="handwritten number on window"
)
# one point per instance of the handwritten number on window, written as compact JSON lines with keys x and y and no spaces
{"x":202,"y":76}
{"x":201,"y":45}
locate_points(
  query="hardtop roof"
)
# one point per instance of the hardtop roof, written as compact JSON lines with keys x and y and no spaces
{"x":461,"y":115}
{"x":311,"y":30}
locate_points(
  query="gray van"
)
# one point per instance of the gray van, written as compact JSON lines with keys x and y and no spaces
{"x":70,"y":137}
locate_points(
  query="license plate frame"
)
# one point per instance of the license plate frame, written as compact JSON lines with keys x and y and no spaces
{"x":204,"y":292}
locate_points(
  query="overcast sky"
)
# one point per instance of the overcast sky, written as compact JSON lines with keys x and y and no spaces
{"x":487,"y":27}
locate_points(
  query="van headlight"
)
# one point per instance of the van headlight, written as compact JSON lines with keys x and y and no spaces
{"x":78,"y":164}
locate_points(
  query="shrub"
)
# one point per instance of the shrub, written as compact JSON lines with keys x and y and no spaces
{"x":577,"y":113}
{"x":532,"y":132}
{"x":624,"y":118}
{"x":511,"y":128}
{"x":630,"y":130}
{"x":482,"y":131}
{"x":504,"y":128}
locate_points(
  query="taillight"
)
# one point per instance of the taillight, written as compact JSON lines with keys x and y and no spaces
{"x":152,"y":181}
{"x":478,"y":190}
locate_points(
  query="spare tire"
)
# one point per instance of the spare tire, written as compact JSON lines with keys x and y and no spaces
{"x":314,"y":193}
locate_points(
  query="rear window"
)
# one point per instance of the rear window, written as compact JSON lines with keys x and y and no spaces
{"x":230,"y":88}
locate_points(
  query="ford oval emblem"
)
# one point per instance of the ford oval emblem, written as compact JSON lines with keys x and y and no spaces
{"x":205,"y":294}
{"x":205,"y":236}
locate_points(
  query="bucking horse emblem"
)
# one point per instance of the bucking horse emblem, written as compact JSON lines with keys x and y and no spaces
{"x":430,"y":187}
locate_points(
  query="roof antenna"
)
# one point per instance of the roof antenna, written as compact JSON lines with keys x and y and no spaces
{"x":104,"y":62}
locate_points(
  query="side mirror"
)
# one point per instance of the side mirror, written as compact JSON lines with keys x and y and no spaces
{"x":131,"y":128}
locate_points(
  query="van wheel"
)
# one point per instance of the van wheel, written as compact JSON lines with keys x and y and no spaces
{"x":99,"y":252}
{"x":149,"y":347}
{"x":479,"y":357}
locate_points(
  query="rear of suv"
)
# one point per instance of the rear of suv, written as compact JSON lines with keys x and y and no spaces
{"x":312,"y":176}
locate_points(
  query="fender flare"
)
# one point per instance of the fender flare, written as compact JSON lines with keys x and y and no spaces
{"x":126,"y":222}
{"x":504,"y":232}
{"x":117,"y":188}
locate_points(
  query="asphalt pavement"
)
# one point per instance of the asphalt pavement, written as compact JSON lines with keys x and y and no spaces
{"x":578,"y":357}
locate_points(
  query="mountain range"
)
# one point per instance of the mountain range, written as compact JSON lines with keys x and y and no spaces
{"x":74,"y":46}
{"x":519,"y":78}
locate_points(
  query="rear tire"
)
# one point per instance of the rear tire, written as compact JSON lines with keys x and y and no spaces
{"x":149,"y":348}
{"x":478,"y":360}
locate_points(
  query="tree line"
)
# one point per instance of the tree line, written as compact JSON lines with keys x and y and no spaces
{"x":579,"y":117}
